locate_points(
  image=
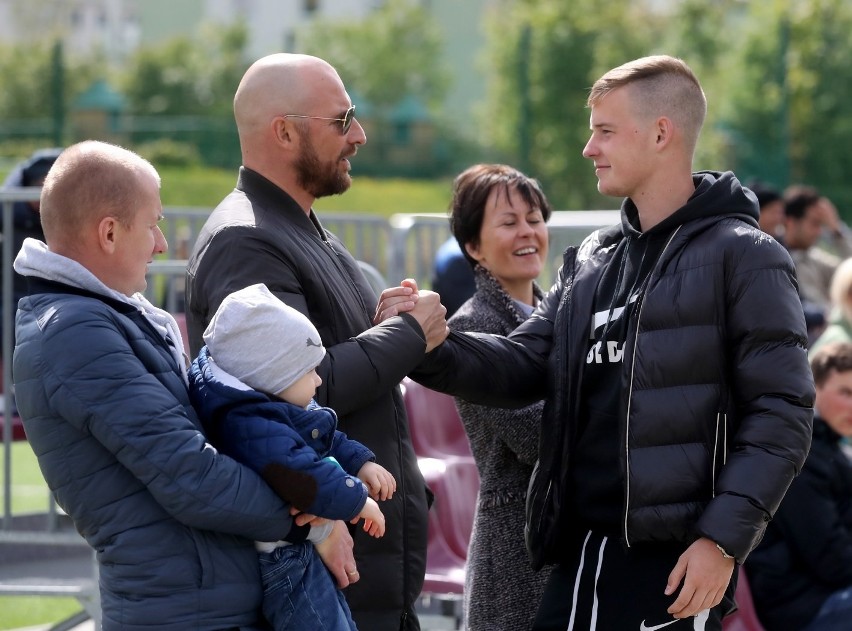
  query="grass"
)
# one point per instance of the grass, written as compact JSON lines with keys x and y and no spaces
{"x":29,"y":490}
{"x":206,"y":186}
{"x":201,"y":186}
{"x":29,"y":611}
{"x":29,"y":494}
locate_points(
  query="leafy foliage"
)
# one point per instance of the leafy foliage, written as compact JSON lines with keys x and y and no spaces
{"x":27,"y":75}
{"x":775,"y":74}
{"x":392,"y":53}
{"x":545,"y":56}
{"x":788,"y":113}
{"x":187,"y":75}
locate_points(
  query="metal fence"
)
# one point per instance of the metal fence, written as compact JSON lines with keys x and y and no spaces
{"x":402,"y":246}
{"x":390,"y":250}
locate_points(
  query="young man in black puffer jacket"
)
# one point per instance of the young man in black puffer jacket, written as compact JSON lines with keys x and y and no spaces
{"x":671,"y":355}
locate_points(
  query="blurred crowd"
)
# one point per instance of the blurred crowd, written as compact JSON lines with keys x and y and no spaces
{"x":808,"y":224}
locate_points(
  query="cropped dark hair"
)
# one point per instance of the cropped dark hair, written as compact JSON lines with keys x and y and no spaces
{"x":470,"y":194}
{"x":797,"y":200}
{"x":831,"y":358}
{"x":765,"y":193}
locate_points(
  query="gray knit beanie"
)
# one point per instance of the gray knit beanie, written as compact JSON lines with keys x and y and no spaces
{"x":261,"y":341}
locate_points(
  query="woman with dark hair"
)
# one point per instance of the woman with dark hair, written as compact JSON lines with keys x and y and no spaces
{"x":498,"y":216}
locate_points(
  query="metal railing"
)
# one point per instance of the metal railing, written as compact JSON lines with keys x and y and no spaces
{"x":27,"y":541}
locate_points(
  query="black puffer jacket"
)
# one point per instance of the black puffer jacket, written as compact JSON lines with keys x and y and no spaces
{"x":716,"y":380}
{"x":259,"y":234}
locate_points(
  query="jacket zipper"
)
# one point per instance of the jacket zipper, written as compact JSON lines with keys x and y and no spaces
{"x":400,"y":459}
{"x":570,"y":265}
{"x":721,"y":426}
{"x":630,"y":394}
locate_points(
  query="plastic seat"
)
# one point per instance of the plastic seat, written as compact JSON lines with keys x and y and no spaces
{"x":17,"y":427}
{"x":436,"y":429}
{"x":456,"y":507}
{"x":745,"y":617}
{"x":455,"y":483}
{"x":180,"y":318}
{"x":17,"y":424}
{"x":448,"y":467}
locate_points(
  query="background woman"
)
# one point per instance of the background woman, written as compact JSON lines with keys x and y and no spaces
{"x":498,"y":216}
{"x":839,"y":327}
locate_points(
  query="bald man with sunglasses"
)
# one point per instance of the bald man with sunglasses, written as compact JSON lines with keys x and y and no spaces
{"x":298,"y":132}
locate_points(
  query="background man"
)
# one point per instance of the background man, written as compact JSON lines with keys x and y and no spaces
{"x":297,"y":133}
{"x":808,"y":216}
{"x":801,"y":573}
{"x":101,"y":386}
{"x":672,"y":354}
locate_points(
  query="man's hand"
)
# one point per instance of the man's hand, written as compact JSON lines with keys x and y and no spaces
{"x":336,"y":553}
{"x":425,"y":306}
{"x":396,"y":300}
{"x":829,"y":215}
{"x":306,"y":518}
{"x":705,"y":574}
{"x":431,"y":315}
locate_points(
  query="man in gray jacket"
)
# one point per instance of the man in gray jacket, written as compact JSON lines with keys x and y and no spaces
{"x":297,"y":132}
{"x":100,"y":379}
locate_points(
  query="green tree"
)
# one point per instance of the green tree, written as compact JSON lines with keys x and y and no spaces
{"x":26,"y":75}
{"x":394,"y":52}
{"x":703,"y":34}
{"x":187,"y":75}
{"x":391,"y":55}
{"x":789,"y":118}
{"x":544,"y":57}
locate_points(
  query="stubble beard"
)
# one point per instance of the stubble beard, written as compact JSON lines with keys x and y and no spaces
{"x":318,"y":178}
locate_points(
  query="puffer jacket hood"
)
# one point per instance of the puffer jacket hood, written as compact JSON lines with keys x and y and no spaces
{"x":717,"y":194}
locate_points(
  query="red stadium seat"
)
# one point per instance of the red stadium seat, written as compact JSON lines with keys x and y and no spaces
{"x":449,"y":470}
{"x":455,"y":483}
{"x":17,"y":425}
{"x":436,"y":429}
{"x":745,"y":617}
{"x":180,"y":318}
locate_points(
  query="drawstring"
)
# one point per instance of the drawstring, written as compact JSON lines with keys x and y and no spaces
{"x":618,"y":280}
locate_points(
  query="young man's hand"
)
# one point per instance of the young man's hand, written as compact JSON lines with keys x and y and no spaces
{"x":705,"y":574}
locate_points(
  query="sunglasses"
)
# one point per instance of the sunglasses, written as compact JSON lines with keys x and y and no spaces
{"x":345,"y":122}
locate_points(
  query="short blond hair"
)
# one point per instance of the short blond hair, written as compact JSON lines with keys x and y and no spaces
{"x":841,"y":289}
{"x":89,"y":181}
{"x":664,"y":86}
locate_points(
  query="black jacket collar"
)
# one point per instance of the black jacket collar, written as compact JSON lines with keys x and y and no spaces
{"x":271,"y":196}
